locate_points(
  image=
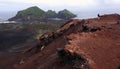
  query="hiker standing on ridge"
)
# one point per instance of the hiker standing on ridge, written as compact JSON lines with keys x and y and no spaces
{"x":98,"y":15}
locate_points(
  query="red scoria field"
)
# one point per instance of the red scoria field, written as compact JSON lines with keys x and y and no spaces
{"x":78,"y":44}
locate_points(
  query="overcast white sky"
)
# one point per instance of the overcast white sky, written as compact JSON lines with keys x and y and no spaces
{"x":84,"y":7}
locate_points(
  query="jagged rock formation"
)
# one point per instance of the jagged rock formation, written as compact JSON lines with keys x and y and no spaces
{"x":78,"y":44}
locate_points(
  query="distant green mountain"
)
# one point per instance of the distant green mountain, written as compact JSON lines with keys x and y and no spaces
{"x":32,"y":11}
{"x":36,"y":14}
{"x":29,"y":14}
{"x":66,"y":14}
{"x":50,"y":14}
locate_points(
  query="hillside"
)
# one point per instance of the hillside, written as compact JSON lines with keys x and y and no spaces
{"x":78,"y":44}
{"x":14,"y":37}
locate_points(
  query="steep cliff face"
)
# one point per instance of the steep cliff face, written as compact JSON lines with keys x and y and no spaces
{"x":78,"y":44}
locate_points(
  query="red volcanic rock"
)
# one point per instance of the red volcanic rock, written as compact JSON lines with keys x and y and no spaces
{"x":110,"y":17}
{"x":78,"y":44}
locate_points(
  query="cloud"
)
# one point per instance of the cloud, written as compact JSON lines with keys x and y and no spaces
{"x":73,"y":5}
{"x":115,"y":2}
{"x":82,"y":3}
{"x":68,"y":3}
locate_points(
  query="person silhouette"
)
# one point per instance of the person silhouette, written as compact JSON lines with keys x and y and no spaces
{"x":98,"y":15}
